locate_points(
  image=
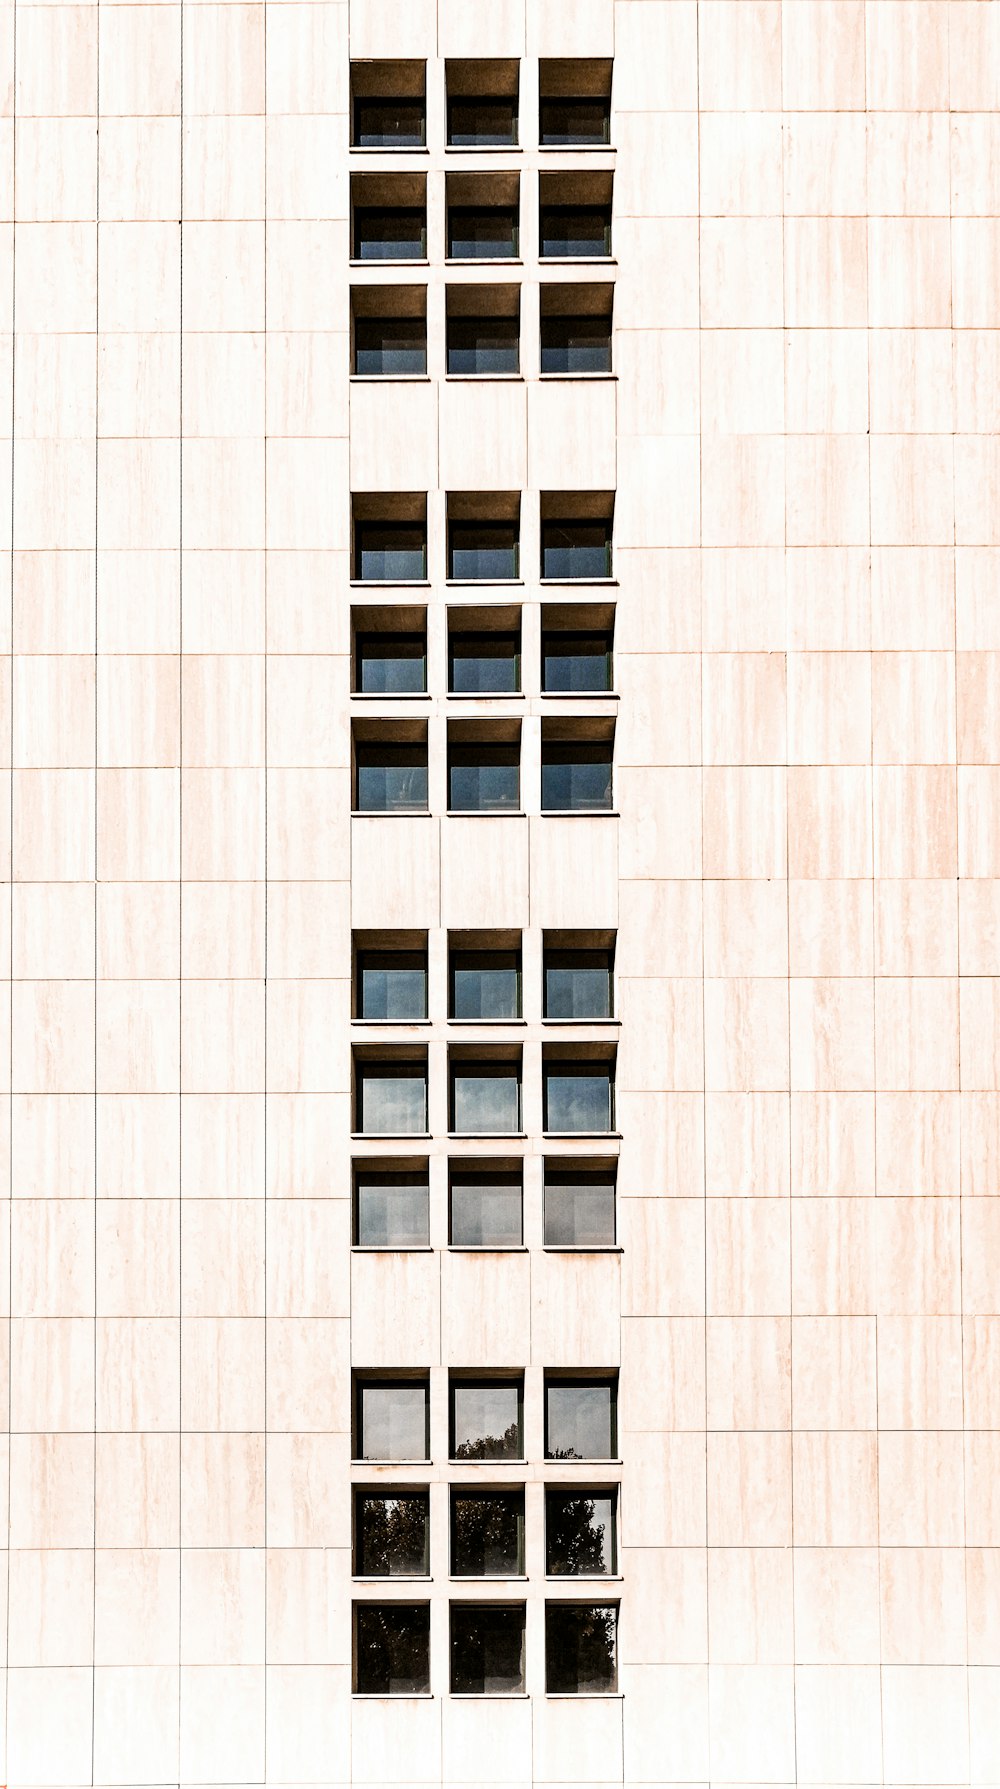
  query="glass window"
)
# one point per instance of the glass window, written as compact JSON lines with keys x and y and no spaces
{"x":486,"y":1211}
{"x":390,"y":552}
{"x":580,"y":1536}
{"x":393,"y":984}
{"x":579,"y":1208}
{"x":484,"y":664}
{"x":579,"y":1096}
{"x":485,"y":984}
{"x":574,"y":663}
{"x":389,"y":124}
{"x":578,"y":984}
{"x":391,"y":778}
{"x":390,"y":345}
{"x":391,"y":1210}
{"x":576,"y":776}
{"x":576,"y":344}
{"x":482,"y":123}
{"x":392,"y":1649}
{"x":580,"y":1649}
{"x":484,"y":778}
{"x":392,"y":1098}
{"x":579,"y":120}
{"x":393,"y":1419}
{"x":487,"y":1649}
{"x":574,"y":232}
{"x":483,"y":344}
{"x":486,"y":1416}
{"x":486,"y":1097}
{"x":482,"y":550}
{"x":487,"y":1534}
{"x":581,"y":1419}
{"x":391,"y":1534}
{"x":391,"y":664}
{"x":383,"y":235}
{"x":576,"y":549}
{"x":482,"y":233}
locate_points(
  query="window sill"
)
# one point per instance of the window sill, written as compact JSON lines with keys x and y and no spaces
{"x":384,"y":696}
{"x":389,"y":583}
{"x":576,"y":148}
{"x":392,"y":149}
{"x":484,"y":149}
{"x":567,"y":1136}
{"x":389,"y":1136}
{"x":570,"y":261}
{"x":399,"y":378}
{"x":487,"y":1248}
{"x":577,"y":583}
{"x":398,"y":1024}
{"x":389,"y":261}
{"x":582,"y":1248}
{"x":485,"y":696}
{"x":608,"y":378}
{"x":391,"y":1463}
{"x":390,"y":1578}
{"x":391,"y":814}
{"x":582,"y":695}
{"x":483,"y":261}
{"x":487,"y":1578}
{"x":608,"y":1019}
{"x":570,"y":1578}
{"x":479,"y":378}
{"x":485,"y":814}
{"x":589,"y":1464}
{"x":392,"y":1248}
{"x":390,"y":1696}
{"x":490,"y":1022}
{"x":476,"y":583}
{"x":584,"y":1695}
{"x":489,"y":1696}
{"x":473,"y":1136}
{"x":580,"y":813}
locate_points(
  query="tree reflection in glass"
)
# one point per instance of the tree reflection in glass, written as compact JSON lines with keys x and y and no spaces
{"x":580,"y":1533}
{"x":580,"y":1649}
{"x":391,"y":1535}
{"x":486,"y":1420}
{"x":487,"y":1533}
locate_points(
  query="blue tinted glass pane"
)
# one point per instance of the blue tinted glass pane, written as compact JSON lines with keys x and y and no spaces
{"x":383,"y":558}
{"x":391,"y":1216}
{"x":576,"y":345}
{"x":482,"y":345}
{"x":563,"y":121}
{"x":484,"y":664}
{"x":575,"y":232}
{"x":576,"y":662}
{"x":385,"y":345}
{"x":579,"y":1214}
{"x":577,"y":1102}
{"x":574,"y":785}
{"x":393,"y":1103}
{"x":575,"y":550}
{"x":389,"y":124}
{"x":482,"y":123}
{"x":482,"y":235}
{"x":389,"y":235}
{"x":391,"y":667}
{"x":485,"y":993}
{"x":481,"y":551}
{"x":486,"y":1101}
{"x":392,"y":788}
{"x":485,"y":787}
{"x":391,"y":993}
{"x":577,"y":993}
{"x":485,"y":1215}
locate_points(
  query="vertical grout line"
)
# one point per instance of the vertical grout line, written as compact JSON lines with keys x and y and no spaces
{"x":10,"y":871}
{"x":180,"y":890}
{"x":264,"y":1189}
{"x":97,"y":501}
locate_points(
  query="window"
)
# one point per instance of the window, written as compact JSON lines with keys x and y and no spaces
{"x":580,"y":1537}
{"x":392,"y":1419}
{"x":576,"y":663}
{"x":581,"y":1419}
{"x":576,"y":545}
{"x":482,"y":104}
{"x":482,"y":217}
{"x":391,"y":1208}
{"x":486,"y":1097}
{"x":485,"y":1209}
{"x":575,"y":327}
{"x":387,"y":105}
{"x":578,"y":1095}
{"x":573,"y":232}
{"x":483,"y":773}
{"x":483,"y":345}
{"x":390,"y":775}
{"x":390,"y":664}
{"x":574,"y":103}
{"x":580,"y":1649}
{"x":485,"y":984}
{"x":577,"y":983}
{"x":576,"y":775}
{"x":391,"y":1098}
{"x":392,"y":1649}
{"x":483,"y":550}
{"x":486,"y":1419}
{"x":487,"y":1649}
{"x":390,"y":551}
{"x":579,"y":1207}
{"x":487,"y":1534}
{"x":381,"y":234}
{"x":485,"y":661}
{"x":391,"y":985}
{"x":390,"y":330}
{"x":391,"y":1534}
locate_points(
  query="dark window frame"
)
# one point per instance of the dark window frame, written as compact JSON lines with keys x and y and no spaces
{"x":365,"y":1071}
{"x":568,"y":1176}
{"x":388,"y":1382}
{"x":556,"y":1382}
{"x":583,"y":1494}
{"x":501,"y":1070}
{"x":556,"y":753}
{"x":460,"y":957}
{"x":373,"y":102}
{"x":463,"y":1611}
{"x":467,"y":528}
{"x":555,"y":324}
{"x":457,"y":213}
{"x":576,"y":249}
{"x":552,"y":635}
{"x":509,"y":1180}
{"x":577,"y":525}
{"x":456,"y":1384}
{"x":361,"y":1567}
{"x":574,"y":956}
{"x":365,"y":216}
{"x":365,"y":327}
{"x":482,"y":140}
{"x":560,"y":140}
{"x":573,"y":1068}
{"x":364,"y":1615}
{"x":363,"y":639}
{"x":402,"y":1177}
{"x":472,"y":327}
{"x":557,"y":1611}
{"x":370,"y":957}
{"x":474,"y":635}
{"x":470,"y":751}
{"x":476,"y":1494}
{"x":366,"y":529}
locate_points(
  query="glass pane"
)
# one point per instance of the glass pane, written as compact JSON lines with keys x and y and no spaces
{"x":576,"y":550}
{"x":580,"y":1420}
{"x":486,"y":984}
{"x":389,"y":345}
{"x":485,"y":550}
{"x":579,"y":1210}
{"x":487,"y":1533}
{"x":392,"y":664}
{"x":393,"y":1421}
{"x":577,"y":1099}
{"x":486,"y":1420}
{"x":487,"y":234}
{"x":487,"y":1650}
{"x":576,"y":345}
{"x":486,"y":1099}
{"x":393,"y":1649}
{"x":580,"y":1649}
{"x":576,"y":777}
{"x":480,"y":123}
{"x":485,"y":664}
{"x":381,"y":235}
{"x":576,"y":662}
{"x":574,"y":232}
{"x":389,"y":124}
{"x":393,"y":985}
{"x":391,"y":1535}
{"x":390,"y":552}
{"x":483,"y":345}
{"x":392,"y":1211}
{"x":392,"y":779}
{"x":577,"y":984}
{"x":486,"y":1213}
{"x":392,"y":1101}
{"x":574,"y":121}
{"x":484,"y":778}
{"x":579,"y":1533}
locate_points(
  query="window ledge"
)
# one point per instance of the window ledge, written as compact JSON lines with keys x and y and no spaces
{"x":582,"y":695}
{"x":484,"y":148}
{"x":468,"y":1136}
{"x":390,"y":1136}
{"x":391,"y":814}
{"x":404,"y":378}
{"x":490,"y":1022}
{"x":398,"y":1024}
{"x":582,"y":1248}
{"x":567,"y":1136}
{"x":590,"y":1464}
{"x":485,"y":814}
{"x":390,"y":1578}
{"x":570,"y":1578}
{"x":577,"y":583}
{"x":584,"y":1696}
{"x":570,"y":261}
{"x":608,"y":378}
{"x":388,"y":261}
{"x":392,"y":1463}
{"x":389,"y":1696}
{"x":393,"y":1248}
{"x":485,"y":696}
{"x":381,"y":696}
{"x":608,"y":1019}
{"x":464,"y":583}
{"x":489,"y":1696}
{"x":478,"y":378}
{"x":482,"y":261}
{"x":576,"y":148}
{"x":488,"y":1248}
{"x":487,"y":1578}
{"x":396,"y":148}
{"x":393,"y":583}
{"x":581,"y":813}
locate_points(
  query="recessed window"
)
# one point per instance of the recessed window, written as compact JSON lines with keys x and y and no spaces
{"x":484,"y":659}
{"x":576,"y":663}
{"x":576,"y":775}
{"x":482,"y":104}
{"x":483,"y":772}
{"x":574,"y":103}
{"x":581,"y":1419}
{"x":486,"y":1098}
{"x":580,"y":1537}
{"x":390,"y":549}
{"x":391,"y":1534}
{"x":485,"y":1209}
{"x":390,"y":664}
{"x":578,"y":1095}
{"x":389,"y":325}
{"x":581,"y":1649}
{"x":483,"y":345}
{"x":575,"y":326}
{"x":482,"y":217}
{"x":486,"y":1419}
{"x":483,"y":550}
{"x":384,"y":234}
{"x":576,"y":543}
{"x":579,"y":1207}
{"x":577,"y":983}
{"x":392,"y":1649}
{"x":485,"y":984}
{"x":487,"y":1534}
{"x":392,"y":985}
{"x":392,"y":1419}
{"x":390,"y":774}
{"x":388,"y":108}
{"x":391,"y":1208}
{"x":487,"y":1649}
{"x":391,"y":1098}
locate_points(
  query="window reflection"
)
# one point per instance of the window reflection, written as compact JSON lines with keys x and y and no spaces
{"x":581,"y":1419}
{"x":486,"y":1419}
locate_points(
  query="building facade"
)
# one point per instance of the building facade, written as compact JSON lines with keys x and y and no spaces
{"x":503,"y":665}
